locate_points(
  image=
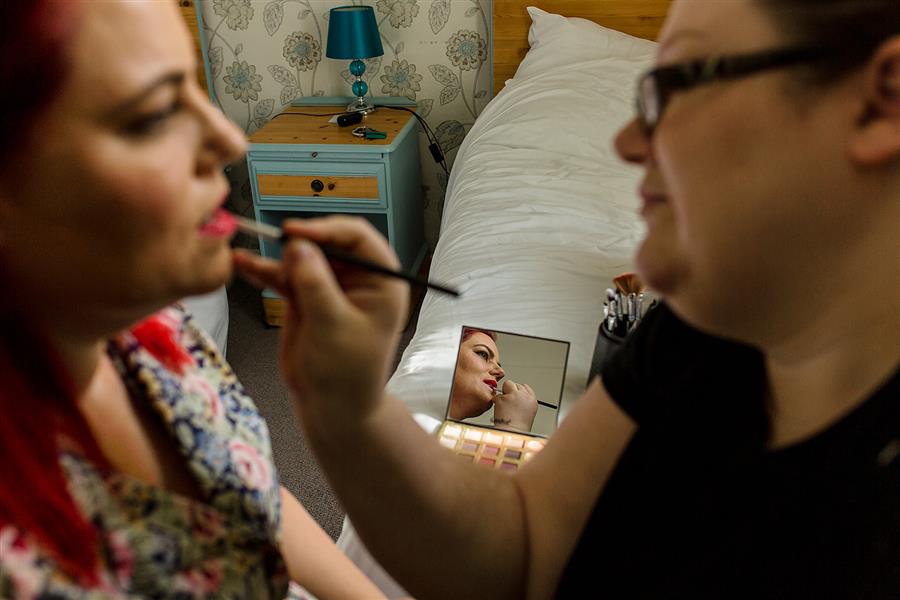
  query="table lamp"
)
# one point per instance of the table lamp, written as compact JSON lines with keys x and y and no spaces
{"x":353,"y":34}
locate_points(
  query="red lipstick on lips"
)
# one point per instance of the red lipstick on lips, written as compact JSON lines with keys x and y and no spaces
{"x":221,"y":224}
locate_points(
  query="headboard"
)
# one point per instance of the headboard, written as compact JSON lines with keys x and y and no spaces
{"x":641,"y":18}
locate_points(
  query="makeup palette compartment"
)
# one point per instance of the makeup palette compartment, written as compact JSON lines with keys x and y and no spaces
{"x":504,"y":401}
{"x":505,"y":451}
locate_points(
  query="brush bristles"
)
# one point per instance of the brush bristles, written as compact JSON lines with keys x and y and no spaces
{"x":628,"y":283}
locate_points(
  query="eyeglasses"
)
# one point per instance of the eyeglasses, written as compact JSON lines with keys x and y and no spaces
{"x":656,"y":87}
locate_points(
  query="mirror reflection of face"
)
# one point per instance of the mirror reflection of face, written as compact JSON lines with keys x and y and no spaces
{"x":477,"y":376}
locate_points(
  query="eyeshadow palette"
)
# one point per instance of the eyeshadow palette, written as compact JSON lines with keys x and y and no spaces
{"x":502,"y":450}
{"x":504,"y":401}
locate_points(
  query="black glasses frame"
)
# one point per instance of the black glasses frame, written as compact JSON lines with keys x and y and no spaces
{"x":656,"y":87}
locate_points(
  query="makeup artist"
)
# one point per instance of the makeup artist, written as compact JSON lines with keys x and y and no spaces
{"x":746,"y":440}
{"x":132,"y":464}
{"x":477,"y":386}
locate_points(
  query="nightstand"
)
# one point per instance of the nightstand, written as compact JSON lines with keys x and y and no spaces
{"x":303,"y":166}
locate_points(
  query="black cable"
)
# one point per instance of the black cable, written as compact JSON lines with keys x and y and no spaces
{"x":310,"y":114}
{"x":434,"y":146}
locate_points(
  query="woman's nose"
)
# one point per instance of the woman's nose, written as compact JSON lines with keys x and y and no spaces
{"x":631,"y":144}
{"x":497,"y":372}
{"x":224,"y":143}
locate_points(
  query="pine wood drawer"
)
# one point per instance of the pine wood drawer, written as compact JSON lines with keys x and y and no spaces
{"x":313,"y":183}
{"x":318,"y":186}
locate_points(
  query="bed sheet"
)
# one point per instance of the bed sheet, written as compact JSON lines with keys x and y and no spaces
{"x":211,"y":314}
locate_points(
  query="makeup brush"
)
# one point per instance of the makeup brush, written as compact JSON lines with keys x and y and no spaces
{"x":273,"y":233}
{"x":628,"y":283}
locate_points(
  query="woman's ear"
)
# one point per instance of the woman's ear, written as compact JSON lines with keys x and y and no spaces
{"x":877,"y":138}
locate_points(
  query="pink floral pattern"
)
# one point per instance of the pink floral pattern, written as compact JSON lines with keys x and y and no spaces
{"x":251,"y":467}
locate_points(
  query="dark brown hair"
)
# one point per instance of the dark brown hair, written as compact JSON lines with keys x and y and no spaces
{"x":854,"y":27}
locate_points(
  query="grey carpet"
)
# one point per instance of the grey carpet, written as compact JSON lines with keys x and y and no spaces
{"x":252,"y":353}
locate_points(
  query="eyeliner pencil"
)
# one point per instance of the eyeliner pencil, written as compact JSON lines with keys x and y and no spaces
{"x":271,"y":232}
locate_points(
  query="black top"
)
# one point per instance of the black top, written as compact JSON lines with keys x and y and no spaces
{"x":698,"y":508}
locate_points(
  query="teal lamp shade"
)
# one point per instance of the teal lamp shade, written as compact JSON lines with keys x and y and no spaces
{"x":353,"y":35}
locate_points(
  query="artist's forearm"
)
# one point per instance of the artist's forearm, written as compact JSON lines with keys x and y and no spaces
{"x":423,"y":513}
{"x":313,"y":560}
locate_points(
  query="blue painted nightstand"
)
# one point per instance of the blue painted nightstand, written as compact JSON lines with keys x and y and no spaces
{"x":304,"y":166}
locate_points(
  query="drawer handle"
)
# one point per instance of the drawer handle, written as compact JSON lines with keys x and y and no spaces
{"x":317,"y":185}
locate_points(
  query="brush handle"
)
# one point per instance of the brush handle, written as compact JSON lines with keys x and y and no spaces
{"x":542,"y":403}
{"x":274,"y":233}
{"x":376,"y":268}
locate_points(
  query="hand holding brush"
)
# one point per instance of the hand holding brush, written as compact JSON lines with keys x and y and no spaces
{"x":342,"y":323}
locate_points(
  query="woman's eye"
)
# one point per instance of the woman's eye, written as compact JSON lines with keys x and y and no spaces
{"x":483,"y":354}
{"x":149,"y":123}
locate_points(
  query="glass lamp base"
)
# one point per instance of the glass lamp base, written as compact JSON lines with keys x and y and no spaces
{"x":361,"y":105}
{"x":360,"y":89}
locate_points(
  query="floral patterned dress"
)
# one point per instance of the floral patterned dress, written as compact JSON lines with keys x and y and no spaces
{"x":156,"y":543}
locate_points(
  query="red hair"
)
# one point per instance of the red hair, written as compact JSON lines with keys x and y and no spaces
{"x":468,"y":331}
{"x":37,"y":396}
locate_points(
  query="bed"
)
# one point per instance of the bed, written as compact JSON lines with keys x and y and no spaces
{"x":539,"y":214}
{"x":211,"y":313}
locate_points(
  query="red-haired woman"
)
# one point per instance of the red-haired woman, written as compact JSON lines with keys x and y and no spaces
{"x":477,"y":386}
{"x":133,"y":464}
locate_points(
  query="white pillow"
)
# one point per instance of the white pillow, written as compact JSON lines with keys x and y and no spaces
{"x":559,"y":42}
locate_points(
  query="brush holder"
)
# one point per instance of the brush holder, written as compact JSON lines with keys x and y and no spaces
{"x":609,"y":340}
{"x":606,"y":345}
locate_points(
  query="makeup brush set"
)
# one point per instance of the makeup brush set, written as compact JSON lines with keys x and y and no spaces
{"x":623,"y":309}
{"x":625,"y":306}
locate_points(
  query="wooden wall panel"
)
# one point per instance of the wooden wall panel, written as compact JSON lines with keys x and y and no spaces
{"x":190,"y":17}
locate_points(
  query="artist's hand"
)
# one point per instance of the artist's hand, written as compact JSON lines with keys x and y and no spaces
{"x":342,"y":323}
{"x":516,"y":407}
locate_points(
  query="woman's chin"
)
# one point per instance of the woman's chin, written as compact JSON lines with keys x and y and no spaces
{"x":222,"y":267}
{"x":658,"y":268}
{"x":209,"y":277}
{"x":481,"y":408}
